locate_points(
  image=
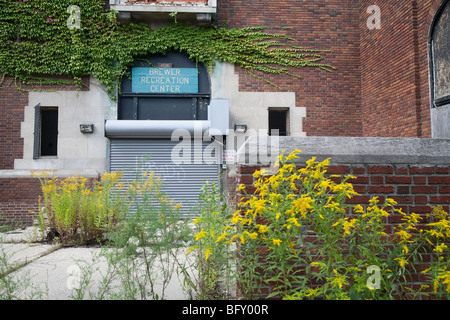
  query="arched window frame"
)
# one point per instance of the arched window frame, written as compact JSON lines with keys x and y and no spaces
{"x":431,"y":59}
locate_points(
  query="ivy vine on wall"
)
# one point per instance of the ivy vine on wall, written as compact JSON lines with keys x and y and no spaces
{"x":38,"y":48}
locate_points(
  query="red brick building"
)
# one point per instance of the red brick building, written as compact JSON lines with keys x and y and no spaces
{"x":381,"y":85}
{"x":385,"y":84}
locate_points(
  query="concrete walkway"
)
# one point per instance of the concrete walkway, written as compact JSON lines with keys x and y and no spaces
{"x":48,"y":271}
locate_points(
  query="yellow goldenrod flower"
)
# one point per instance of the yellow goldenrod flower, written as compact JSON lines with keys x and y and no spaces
{"x":257,"y":174}
{"x":310,"y":162}
{"x":436,"y":234}
{"x":178,"y":206}
{"x":317,"y":263}
{"x":293,"y":155}
{"x":289,"y":167}
{"x":446,"y":280}
{"x":262,"y":228}
{"x":405,"y":250}
{"x":280,"y":158}
{"x":252,"y":235}
{"x":325,"y":184}
{"x":401,"y":261}
{"x":414,"y":218}
{"x":426,"y":270}
{"x":436,"y":284}
{"x":273,"y":180}
{"x":277,"y":241}
{"x":358,"y":209}
{"x":259,"y":206}
{"x":293,"y":186}
{"x":236,"y":217}
{"x":200,"y":235}
{"x":441,"y":247}
{"x":333,"y":206}
{"x":404,"y":236}
{"x":390,"y":201}
{"x":221,"y":237}
{"x":197,"y":220}
{"x":275,"y":197}
{"x":303,"y":204}
{"x":338,"y":280}
{"x":294,"y":221}
{"x":384,"y":213}
{"x":207,"y":253}
{"x":336,"y":223}
{"x":264,"y":190}
{"x":241,"y":187}
{"x":428,"y":240}
{"x":292,"y":247}
{"x":349,"y":224}
{"x":291,"y":196}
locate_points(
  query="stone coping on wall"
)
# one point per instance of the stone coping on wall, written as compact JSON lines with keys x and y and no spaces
{"x":346,"y":150}
{"x":18,"y":174}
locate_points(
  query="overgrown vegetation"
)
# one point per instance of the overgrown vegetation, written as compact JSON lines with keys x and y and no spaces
{"x":214,"y":262}
{"x":37,"y":47}
{"x":76,"y":210}
{"x":142,"y":255}
{"x":298,"y":236}
{"x":15,"y":286}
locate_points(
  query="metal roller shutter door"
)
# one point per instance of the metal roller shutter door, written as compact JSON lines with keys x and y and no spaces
{"x":181,"y":182}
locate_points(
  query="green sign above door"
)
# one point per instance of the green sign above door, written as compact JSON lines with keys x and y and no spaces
{"x":164,"y":80}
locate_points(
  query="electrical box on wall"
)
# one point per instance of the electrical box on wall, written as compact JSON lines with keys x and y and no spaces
{"x":86,"y":128}
{"x":219,"y":116}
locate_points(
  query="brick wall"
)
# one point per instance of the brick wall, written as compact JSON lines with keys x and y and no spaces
{"x":12,"y":103}
{"x":18,"y":199}
{"x":394,"y":69}
{"x":415,"y":188}
{"x":332,"y":99}
{"x":380,"y":88}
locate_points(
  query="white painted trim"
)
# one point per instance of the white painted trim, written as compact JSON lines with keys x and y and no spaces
{"x":164,"y":8}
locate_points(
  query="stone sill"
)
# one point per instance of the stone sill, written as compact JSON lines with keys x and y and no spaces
{"x":166,"y":6}
{"x":345,"y":150}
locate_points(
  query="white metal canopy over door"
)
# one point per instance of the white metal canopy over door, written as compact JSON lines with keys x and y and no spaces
{"x":184,"y":167}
